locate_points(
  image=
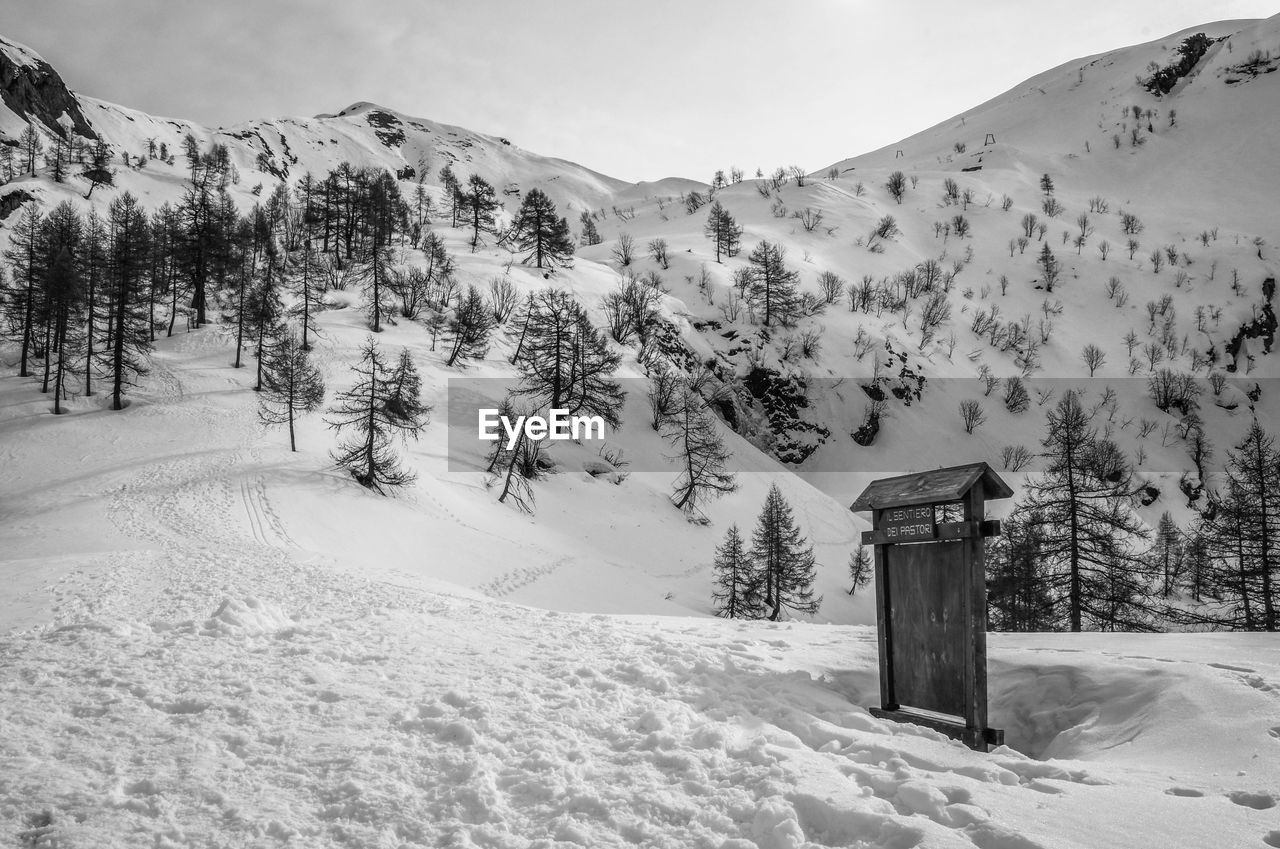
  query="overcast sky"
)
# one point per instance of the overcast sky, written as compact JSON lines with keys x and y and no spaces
{"x":638,"y":90}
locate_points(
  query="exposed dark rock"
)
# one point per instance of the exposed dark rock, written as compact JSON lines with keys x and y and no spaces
{"x":387,"y":127}
{"x":35,"y":91}
{"x":12,"y":201}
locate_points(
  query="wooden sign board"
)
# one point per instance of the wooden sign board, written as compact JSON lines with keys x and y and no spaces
{"x":908,"y":524}
{"x":931,"y":602}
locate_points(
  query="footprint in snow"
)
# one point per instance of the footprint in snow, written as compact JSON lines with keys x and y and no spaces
{"x":1188,"y":792}
{"x":1259,"y":801}
{"x":1272,"y":838}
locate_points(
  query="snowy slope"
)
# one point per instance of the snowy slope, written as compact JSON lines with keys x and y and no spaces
{"x":382,"y":716}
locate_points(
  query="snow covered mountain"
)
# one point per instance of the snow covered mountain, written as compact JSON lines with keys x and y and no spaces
{"x":206,"y":639}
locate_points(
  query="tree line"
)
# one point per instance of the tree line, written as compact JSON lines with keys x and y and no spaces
{"x":1074,"y":554}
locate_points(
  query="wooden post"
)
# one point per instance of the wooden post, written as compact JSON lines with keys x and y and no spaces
{"x":975,"y":625}
{"x":888,"y":698}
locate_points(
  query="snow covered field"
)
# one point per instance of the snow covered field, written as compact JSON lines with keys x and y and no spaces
{"x":182,"y":666}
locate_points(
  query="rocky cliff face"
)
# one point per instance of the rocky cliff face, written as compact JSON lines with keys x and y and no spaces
{"x":32,"y":88}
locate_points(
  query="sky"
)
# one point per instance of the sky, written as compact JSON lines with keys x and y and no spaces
{"x":636,"y":90}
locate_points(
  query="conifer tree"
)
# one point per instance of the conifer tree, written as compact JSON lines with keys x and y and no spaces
{"x":470,"y":327}
{"x":737,"y":592}
{"x":1083,"y":514}
{"x":58,"y":159}
{"x":59,"y":296}
{"x":263,"y":313}
{"x":860,"y":570}
{"x":383,"y":404}
{"x":1166,"y":554}
{"x":772,"y":286}
{"x":63,"y":292}
{"x":309,"y":288}
{"x":199,"y":228}
{"x":566,"y":362}
{"x":291,"y":384}
{"x":479,"y":208}
{"x":723,"y":230}
{"x":1254,"y":504}
{"x":784,"y":558}
{"x":127,"y":264}
{"x":26,"y":264}
{"x":438,"y":273}
{"x":702,"y":457}
{"x":538,"y":230}
{"x":31,"y":145}
{"x":590,"y":235}
{"x":93,"y":262}
{"x":1049,"y":265}
{"x":452,"y":195}
{"x":1018,"y":598}
{"x":99,"y":172}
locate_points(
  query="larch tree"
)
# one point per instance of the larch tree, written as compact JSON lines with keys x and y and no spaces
{"x":453,"y":199}
{"x":59,"y":295}
{"x":784,"y":558}
{"x":590,"y":235}
{"x":26,"y":266}
{"x":128,"y":262}
{"x":263,"y":312}
{"x":860,"y":568}
{"x":737,"y":584}
{"x":31,"y":145}
{"x":1085,"y":520}
{"x":479,"y":208}
{"x":772,"y":286}
{"x":63,"y":294}
{"x":1166,"y":554}
{"x":99,"y":172}
{"x":538,"y":230}
{"x":1254,"y":496}
{"x":701,"y":458}
{"x":469,"y":328}
{"x":566,"y":363}
{"x":1018,"y":598}
{"x":382,"y":405}
{"x":291,"y":384}
{"x":93,"y":263}
{"x":723,"y":231}
{"x":1049,"y":266}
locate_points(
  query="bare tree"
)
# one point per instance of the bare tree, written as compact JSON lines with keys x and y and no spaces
{"x":897,"y":186}
{"x":503,"y":298}
{"x":972,"y":415}
{"x":1015,"y":457}
{"x":1093,"y":357}
{"x":658,"y":250}
{"x":831,"y":285}
{"x":624,"y":250}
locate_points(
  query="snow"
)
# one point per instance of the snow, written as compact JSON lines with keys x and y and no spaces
{"x":206,"y":640}
{"x":415,"y":719}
